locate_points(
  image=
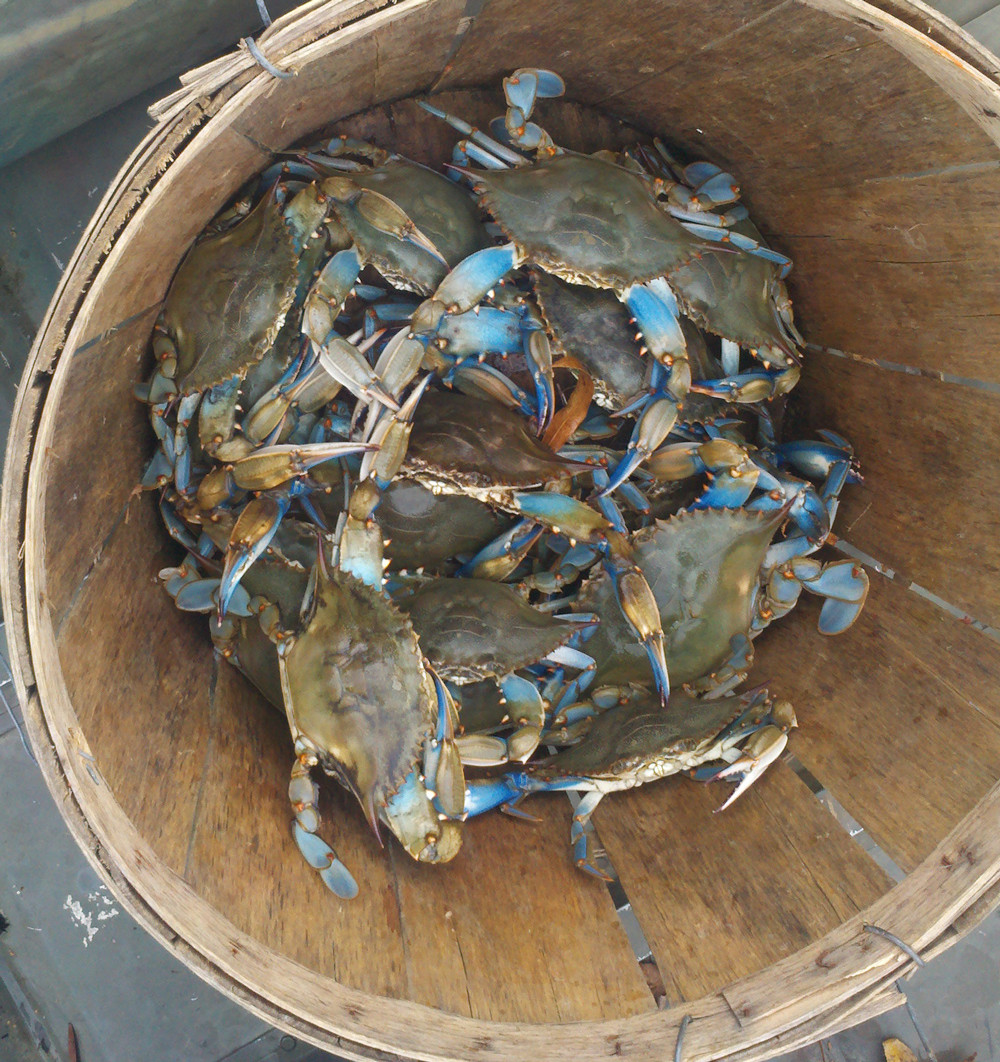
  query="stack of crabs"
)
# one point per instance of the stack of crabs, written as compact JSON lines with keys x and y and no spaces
{"x":479,"y":466}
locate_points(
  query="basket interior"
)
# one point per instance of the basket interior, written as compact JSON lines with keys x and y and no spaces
{"x":867,"y":174}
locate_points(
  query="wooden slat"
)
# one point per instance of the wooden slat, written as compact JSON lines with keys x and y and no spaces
{"x":383,"y":57}
{"x":899,"y":716}
{"x":140,"y":680}
{"x":722,"y":896}
{"x":516,"y":927}
{"x":876,"y":274}
{"x":94,"y":462}
{"x":600,"y":53}
{"x":926,"y":506}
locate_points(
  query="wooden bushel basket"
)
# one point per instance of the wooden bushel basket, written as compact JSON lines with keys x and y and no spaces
{"x":865,"y":140}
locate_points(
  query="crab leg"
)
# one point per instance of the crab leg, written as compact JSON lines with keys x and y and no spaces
{"x":749,"y":387}
{"x":304,"y":796}
{"x":580,"y":837}
{"x":498,"y":151}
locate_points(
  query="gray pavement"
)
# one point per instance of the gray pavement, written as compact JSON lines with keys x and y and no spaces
{"x":69,"y":954}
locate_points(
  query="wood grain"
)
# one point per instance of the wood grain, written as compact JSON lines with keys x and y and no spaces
{"x":94,"y":462}
{"x":721,"y":896}
{"x":899,"y":717}
{"x":141,"y":682}
{"x":876,"y":274}
{"x":925,"y":508}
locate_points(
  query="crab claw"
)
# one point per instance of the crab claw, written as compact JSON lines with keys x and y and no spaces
{"x":327,"y":295}
{"x":250,"y":536}
{"x":759,"y":752}
{"x":383,"y":214}
{"x":639,"y":607}
{"x":538,"y":355}
{"x":562,"y":513}
{"x":270,"y":466}
{"x":320,"y":856}
{"x":524,"y":86}
{"x":465,"y":286}
{"x":499,"y":558}
{"x":347,"y":366}
{"x":654,"y":426}
{"x":836,"y":616}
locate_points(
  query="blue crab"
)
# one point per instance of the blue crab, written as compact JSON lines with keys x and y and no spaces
{"x":590,"y":221}
{"x":730,"y":738}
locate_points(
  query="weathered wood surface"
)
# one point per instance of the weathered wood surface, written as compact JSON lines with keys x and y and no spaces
{"x":899,"y":716}
{"x":722,"y":896}
{"x":765,"y":1011}
{"x":926,"y":508}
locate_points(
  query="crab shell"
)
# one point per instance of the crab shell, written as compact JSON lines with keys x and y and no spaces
{"x":482,"y":444}
{"x":425,"y":529}
{"x":731,"y":293}
{"x":703,"y":568}
{"x":356,"y":689}
{"x":641,"y":740}
{"x":626,"y":238}
{"x":229,"y":298}
{"x":471,"y":629}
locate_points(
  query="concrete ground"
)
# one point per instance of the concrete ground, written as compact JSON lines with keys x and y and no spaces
{"x":69,"y":955}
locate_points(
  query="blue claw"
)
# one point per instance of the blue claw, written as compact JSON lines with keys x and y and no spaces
{"x":836,"y":616}
{"x":523,"y":87}
{"x":499,"y":558}
{"x":719,"y":189}
{"x":633,"y":458}
{"x":814,"y":459}
{"x":844,"y":580}
{"x":464,"y":286}
{"x":573,"y":517}
{"x":655,"y":424}
{"x":728,"y":491}
{"x":239,"y":560}
{"x":482,"y":330}
{"x":654,"y":307}
{"x":474,"y":380}
{"x":538,"y":356}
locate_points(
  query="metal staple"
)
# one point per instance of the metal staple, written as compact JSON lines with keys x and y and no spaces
{"x":258,"y":56}
{"x":685,"y":1022}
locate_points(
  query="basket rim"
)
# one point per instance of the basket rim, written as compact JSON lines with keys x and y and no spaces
{"x":928,"y":909}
